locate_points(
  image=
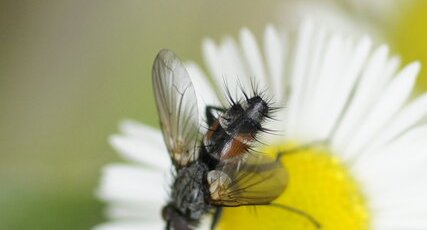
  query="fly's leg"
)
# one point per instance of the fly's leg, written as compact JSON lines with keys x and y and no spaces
{"x":210,"y":116}
{"x":299,"y":212}
{"x":205,"y":156}
{"x":301,"y":148}
{"x":216,"y":217}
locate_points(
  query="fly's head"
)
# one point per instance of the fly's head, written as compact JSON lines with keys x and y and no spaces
{"x":174,"y":220}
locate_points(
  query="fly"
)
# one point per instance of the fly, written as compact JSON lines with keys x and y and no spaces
{"x":216,"y":169}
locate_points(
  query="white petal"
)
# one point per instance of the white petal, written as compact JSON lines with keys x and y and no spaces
{"x":142,"y":150}
{"x":391,"y":101}
{"x":297,"y":77}
{"x":399,"y":224}
{"x":204,"y":90}
{"x":146,"y":225}
{"x":407,"y":118}
{"x":226,"y":65}
{"x":404,"y":150}
{"x":331,"y":66}
{"x":234,"y":70}
{"x":306,"y":120}
{"x":372,"y":81}
{"x":134,"y":212}
{"x":121,"y":183}
{"x":409,"y":204}
{"x":340,"y":90}
{"x":140,"y":130}
{"x":211,"y":56}
{"x":253,"y":58}
{"x":130,"y":225}
{"x":394,"y":176}
{"x":275,"y":50}
{"x":330,"y":92}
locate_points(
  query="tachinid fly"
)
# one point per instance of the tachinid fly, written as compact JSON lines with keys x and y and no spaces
{"x":216,"y":169}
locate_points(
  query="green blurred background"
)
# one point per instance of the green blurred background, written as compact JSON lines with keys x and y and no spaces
{"x":70,"y":71}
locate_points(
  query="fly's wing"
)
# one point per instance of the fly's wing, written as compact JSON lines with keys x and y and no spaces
{"x":177,"y":107}
{"x":256,"y":180}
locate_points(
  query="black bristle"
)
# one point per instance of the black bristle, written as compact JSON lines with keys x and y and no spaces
{"x":229,"y":97}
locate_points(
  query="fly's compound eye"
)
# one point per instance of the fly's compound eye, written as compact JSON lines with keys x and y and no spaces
{"x":166,"y":213}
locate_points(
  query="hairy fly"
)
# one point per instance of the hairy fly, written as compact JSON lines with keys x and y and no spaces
{"x":217,"y":168}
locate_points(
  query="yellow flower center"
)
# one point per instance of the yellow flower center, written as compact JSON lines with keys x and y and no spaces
{"x":319,"y":185}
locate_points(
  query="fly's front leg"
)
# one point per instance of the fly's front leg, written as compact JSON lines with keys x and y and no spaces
{"x":210,"y":116}
{"x":301,"y":148}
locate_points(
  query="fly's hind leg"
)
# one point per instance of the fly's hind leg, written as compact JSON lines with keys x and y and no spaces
{"x":216,"y":217}
{"x":299,"y":212}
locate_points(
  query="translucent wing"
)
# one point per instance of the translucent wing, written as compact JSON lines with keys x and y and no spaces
{"x":257,"y":180}
{"x":177,"y":107}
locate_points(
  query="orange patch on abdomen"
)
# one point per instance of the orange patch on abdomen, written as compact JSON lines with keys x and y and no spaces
{"x":233,"y":148}
{"x":215,"y":126}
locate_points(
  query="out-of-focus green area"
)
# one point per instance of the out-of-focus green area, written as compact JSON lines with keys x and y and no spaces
{"x":409,"y":38}
{"x":69,"y":72}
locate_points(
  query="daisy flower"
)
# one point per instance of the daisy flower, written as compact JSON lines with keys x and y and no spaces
{"x":369,"y":174}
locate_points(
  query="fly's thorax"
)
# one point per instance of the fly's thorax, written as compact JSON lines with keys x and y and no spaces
{"x":256,"y":108}
{"x":190,"y":190}
{"x":245,"y":118}
{"x":235,"y":130}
